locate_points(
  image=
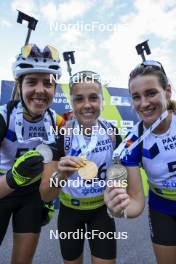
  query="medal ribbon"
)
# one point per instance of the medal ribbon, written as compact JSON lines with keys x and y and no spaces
{"x":121,"y":151}
{"x":86,"y":149}
{"x":19,"y":126}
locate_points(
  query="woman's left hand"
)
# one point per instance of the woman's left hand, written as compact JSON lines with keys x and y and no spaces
{"x":116,"y":200}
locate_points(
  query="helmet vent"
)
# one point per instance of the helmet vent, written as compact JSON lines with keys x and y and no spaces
{"x":54,"y":67}
{"x":24,"y":65}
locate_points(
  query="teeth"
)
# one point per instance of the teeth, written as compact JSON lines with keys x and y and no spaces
{"x":39,"y":99}
{"x":148,"y":111}
{"x":87,"y":114}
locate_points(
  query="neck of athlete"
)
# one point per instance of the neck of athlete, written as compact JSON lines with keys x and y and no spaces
{"x":88,"y":128}
{"x":165,"y":124}
{"x":31,"y":117}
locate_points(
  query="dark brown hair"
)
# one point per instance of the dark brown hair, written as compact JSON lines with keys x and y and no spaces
{"x":144,"y":70}
{"x":149,"y":70}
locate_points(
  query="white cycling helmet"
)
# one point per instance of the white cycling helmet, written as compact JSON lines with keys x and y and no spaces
{"x":33,"y":60}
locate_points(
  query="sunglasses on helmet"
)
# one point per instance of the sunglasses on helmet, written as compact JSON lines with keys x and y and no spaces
{"x":31,"y":50}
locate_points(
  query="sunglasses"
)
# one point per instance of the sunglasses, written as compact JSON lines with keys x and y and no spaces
{"x":31,"y":50}
{"x":83,"y":76}
{"x":154,"y":64}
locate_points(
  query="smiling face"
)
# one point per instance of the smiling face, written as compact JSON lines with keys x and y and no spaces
{"x":37,"y":92}
{"x":149,"y":98}
{"x":86,"y":98}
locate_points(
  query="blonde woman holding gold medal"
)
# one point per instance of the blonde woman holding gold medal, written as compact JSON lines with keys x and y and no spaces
{"x":151,"y":95}
{"x":88,"y":156}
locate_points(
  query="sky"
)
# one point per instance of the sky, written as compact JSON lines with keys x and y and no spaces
{"x":103,"y":34}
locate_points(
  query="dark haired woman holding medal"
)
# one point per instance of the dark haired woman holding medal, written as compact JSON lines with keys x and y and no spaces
{"x":24,"y":125}
{"x":155,"y":148}
{"x":88,"y":156}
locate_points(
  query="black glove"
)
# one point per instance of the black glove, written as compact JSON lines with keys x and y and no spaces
{"x":27,"y":169}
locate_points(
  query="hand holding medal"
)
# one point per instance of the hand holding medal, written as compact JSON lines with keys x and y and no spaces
{"x":88,"y":171}
{"x":117,"y":172}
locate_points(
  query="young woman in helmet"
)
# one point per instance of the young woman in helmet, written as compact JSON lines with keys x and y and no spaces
{"x":82,"y":207}
{"x":29,"y":126}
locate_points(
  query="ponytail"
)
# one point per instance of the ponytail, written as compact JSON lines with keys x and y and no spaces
{"x":172,"y":106}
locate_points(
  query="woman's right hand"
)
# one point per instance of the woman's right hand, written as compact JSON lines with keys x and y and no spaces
{"x":68,"y":165}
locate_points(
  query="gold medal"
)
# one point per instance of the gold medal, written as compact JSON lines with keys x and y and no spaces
{"x":88,"y":171}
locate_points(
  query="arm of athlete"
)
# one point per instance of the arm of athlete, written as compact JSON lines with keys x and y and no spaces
{"x":4,"y":187}
{"x":65,"y":168}
{"x":130,"y":200}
